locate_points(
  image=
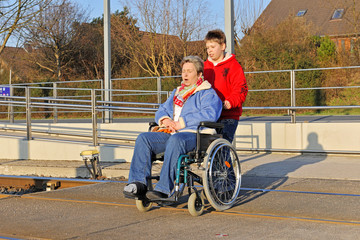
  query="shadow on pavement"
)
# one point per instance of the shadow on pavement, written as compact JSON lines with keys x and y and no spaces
{"x":274,"y":174}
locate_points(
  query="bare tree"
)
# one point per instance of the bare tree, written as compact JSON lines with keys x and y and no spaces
{"x":52,"y":33}
{"x":246,"y":13}
{"x":168,"y":27}
{"x":188,"y":21}
{"x":16,"y":14}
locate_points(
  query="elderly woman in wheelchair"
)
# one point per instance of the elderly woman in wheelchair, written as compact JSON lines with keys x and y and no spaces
{"x":189,"y":114}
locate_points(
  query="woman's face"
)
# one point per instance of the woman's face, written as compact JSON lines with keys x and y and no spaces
{"x":189,"y":74}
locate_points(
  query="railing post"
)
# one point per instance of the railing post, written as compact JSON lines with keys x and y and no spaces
{"x":102,"y":99}
{"x":11,"y":107}
{"x":28,"y":114}
{"x":55,"y":112}
{"x":94,"y":117}
{"x":293,"y":96}
{"x":158,"y":81}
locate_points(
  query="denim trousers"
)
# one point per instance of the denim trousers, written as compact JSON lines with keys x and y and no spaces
{"x":150,"y":143}
{"x":230,"y":126}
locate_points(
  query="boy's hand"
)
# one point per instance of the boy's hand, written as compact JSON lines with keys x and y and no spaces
{"x":227,"y":104}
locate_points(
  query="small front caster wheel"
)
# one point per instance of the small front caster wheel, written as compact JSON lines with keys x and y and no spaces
{"x":195,"y":205}
{"x":143,"y":205}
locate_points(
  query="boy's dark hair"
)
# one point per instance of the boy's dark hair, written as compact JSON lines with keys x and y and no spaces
{"x":216,"y":35}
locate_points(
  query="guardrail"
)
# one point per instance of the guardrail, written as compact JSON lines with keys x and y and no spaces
{"x":92,"y":100}
{"x":86,"y":105}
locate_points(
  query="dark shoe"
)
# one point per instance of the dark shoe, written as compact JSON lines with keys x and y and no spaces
{"x":156,"y":195}
{"x":135,"y":189}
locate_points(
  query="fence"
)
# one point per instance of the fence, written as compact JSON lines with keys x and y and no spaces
{"x":92,"y":100}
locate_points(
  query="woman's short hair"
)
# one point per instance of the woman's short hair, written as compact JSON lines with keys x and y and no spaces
{"x":197,"y":61}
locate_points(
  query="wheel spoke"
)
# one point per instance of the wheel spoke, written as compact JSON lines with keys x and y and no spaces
{"x":223,"y":177}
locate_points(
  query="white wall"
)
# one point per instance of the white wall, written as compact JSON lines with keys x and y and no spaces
{"x":317,"y":137}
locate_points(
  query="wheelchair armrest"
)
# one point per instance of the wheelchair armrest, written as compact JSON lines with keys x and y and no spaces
{"x":151,"y":125}
{"x":202,"y":124}
{"x":211,"y":124}
{"x":198,"y":138}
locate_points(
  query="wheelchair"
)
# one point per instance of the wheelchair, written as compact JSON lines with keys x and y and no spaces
{"x":213,"y":164}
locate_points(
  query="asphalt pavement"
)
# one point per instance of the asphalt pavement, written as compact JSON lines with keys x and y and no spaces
{"x":99,"y":211}
{"x":283,"y":196}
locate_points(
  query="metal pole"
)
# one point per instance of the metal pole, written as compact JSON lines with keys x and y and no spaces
{"x":159,"y":89}
{"x":11,"y":108}
{"x":107,"y":59}
{"x":94,"y":117}
{"x":102,"y":99}
{"x":293,"y":97}
{"x":28,"y":114}
{"x":229,"y":25}
{"x":55,"y":112}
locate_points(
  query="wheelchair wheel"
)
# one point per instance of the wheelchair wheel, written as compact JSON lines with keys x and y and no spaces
{"x":222,"y":175}
{"x":143,"y":205}
{"x":195,"y":205}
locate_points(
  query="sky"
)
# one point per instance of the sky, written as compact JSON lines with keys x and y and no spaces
{"x":95,"y":8}
{"x":216,"y":7}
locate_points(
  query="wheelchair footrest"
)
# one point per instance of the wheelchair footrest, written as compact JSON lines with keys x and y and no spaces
{"x":164,"y":200}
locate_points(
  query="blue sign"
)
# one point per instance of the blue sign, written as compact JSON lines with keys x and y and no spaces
{"x":5,"y":91}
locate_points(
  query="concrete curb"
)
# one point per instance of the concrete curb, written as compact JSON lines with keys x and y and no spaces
{"x":317,"y":166}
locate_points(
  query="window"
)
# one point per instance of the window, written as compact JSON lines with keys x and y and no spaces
{"x":301,"y":13}
{"x":338,"y":14}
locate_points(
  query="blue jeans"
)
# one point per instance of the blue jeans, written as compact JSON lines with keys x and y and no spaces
{"x":150,"y":143}
{"x":229,"y":129}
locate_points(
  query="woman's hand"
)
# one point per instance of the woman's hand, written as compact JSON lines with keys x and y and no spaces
{"x":171,"y":125}
{"x":167,"y":122}
{"x":177,"y":125}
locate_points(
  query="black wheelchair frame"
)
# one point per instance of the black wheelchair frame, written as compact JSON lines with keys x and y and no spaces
{"x":221,"y":170}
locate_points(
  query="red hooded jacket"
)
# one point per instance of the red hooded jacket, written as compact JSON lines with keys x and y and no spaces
{"x":228,"y":80}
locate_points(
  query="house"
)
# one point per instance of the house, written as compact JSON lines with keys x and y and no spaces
{"x":338,"y":19}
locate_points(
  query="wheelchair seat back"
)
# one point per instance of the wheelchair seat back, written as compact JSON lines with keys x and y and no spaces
{"x":207,"y":139}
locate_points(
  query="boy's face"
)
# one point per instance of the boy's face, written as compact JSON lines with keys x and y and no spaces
{"x":215,"y":50}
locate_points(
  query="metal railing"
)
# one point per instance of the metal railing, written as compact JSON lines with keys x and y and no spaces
{"x":92,"y":100}
{"x":91,"y":105}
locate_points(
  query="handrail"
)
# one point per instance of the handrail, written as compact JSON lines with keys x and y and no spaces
{"x":93,"y":101}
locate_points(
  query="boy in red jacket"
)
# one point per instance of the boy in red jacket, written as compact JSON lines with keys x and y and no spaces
{"x":227,"y":77}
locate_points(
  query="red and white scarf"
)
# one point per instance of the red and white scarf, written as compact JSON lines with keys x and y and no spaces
{"x":186,"y":91}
